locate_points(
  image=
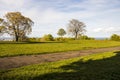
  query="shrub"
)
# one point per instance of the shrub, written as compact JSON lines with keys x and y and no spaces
{"x":115,"y":37}
{"x":33,"y":39}
{"x":84,"y":37}
{"x":63,"y":39}
{"x":48,"y":37}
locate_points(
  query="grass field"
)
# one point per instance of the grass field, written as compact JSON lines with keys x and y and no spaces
{"x":26,"y":48}
{"x":102,"y":66}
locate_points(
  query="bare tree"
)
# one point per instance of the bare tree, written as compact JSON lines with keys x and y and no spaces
{"x":18,"y":25}
{"x":75,"y":27}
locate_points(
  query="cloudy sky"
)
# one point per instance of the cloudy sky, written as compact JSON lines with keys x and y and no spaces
{"x":102,"y":17}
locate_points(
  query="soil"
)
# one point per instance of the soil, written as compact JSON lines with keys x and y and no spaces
{"x":18,"y":61}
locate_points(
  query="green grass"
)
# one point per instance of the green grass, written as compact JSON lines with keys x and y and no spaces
{"x":26,"y":48}
{"x":102,"y":66}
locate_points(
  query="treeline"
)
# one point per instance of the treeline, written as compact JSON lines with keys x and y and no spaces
{"x":18,"y":26}
{"x":49,"y":37}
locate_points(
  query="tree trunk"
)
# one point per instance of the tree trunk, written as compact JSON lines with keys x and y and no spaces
{"x":16,"y":38}
{"x":76,"y":36}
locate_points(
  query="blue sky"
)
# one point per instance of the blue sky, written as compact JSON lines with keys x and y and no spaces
{"x":102,"y":17}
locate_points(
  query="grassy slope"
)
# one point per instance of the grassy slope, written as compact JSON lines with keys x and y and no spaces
{"x":15,"y":49}
{"x":103,"y":66}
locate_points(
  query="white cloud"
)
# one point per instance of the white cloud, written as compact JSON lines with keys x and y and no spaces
{"x":51,"y":14}
{"x":107,"y":30}
{"x":97,"y":30}
{"x":12,"y":3}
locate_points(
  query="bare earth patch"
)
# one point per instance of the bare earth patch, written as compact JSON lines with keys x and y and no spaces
{"x":18,"y":61}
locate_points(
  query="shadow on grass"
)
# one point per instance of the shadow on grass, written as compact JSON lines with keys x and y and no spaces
{"x":9,"y":42}
{"x":104,"y":69}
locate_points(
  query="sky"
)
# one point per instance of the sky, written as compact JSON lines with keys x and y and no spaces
{"x":101,"y":17}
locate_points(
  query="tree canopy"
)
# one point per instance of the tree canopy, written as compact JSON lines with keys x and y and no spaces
{"x":17,"y":25}
{"x":2,"y":28}
{"x":61,"y":32}
{"x":75,"y":27}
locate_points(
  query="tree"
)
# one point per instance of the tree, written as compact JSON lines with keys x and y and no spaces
{"x":76,"y":28}
{"x":61,"y":32}
{"x":18,"y":25}
{"x":115,"y":37}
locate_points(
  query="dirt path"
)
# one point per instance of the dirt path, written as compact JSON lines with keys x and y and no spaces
{"x":18,"y":61}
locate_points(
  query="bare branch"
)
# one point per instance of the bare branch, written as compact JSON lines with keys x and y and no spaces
{"x":76,"y":27}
